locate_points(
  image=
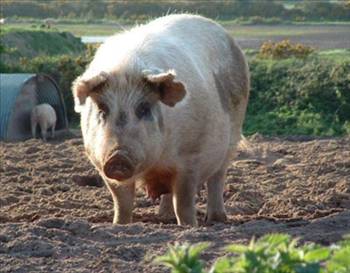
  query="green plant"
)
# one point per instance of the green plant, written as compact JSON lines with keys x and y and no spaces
{"x":340,"y":262}
{"x":274,"y":253}
{"x":142,"y":10}
{"x":284,"y":49}
{"x":299,"y":97}
{"x":184,"y":258}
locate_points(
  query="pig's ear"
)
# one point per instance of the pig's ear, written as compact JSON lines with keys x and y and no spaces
{"x":170,"y":91}
{"x":84,"y":87}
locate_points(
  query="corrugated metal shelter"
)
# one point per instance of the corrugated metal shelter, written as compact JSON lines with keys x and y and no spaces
{"x":19,"y":93}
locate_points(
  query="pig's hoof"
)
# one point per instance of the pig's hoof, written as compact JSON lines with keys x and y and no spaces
{"x":187,"y":222}
{"x":122,"y":221}
{"x":216,"y":217}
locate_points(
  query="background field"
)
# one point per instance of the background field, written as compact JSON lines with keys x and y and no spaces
{"x":320,"y":36}
{"x":297,"y":94}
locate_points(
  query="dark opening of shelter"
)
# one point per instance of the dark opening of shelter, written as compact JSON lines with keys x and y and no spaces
{"x":19,"y":93}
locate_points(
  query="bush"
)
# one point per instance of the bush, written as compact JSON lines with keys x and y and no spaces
{"x":309,"y":96}
{"x":31,"y":43}
{"x":299,"y":97}
{"x":324,"y":10}
{"x":274,"y":253}
{"x":284,"y":49}
{"x":258,"y":20}
{"x":223,"y":10}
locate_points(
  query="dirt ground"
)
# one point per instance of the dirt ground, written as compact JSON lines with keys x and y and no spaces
{"x":55,"y":212}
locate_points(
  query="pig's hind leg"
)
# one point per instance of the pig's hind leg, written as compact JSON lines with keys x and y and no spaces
{"x":34,"y":125}
{"x":53,"y":131}
{"x":184,"y":192}
{"x":215,"y":204}
{"x":43,"y":129}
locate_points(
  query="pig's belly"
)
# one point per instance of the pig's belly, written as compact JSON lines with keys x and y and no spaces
{"x":158,"y":181}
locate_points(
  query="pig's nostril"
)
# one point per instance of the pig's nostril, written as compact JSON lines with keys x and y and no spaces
{"x":118,"y":167}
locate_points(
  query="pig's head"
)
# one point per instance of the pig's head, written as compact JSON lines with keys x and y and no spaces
{"x":121,"y":119}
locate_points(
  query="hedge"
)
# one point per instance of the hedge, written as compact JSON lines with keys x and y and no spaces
{"x":309,"y":96}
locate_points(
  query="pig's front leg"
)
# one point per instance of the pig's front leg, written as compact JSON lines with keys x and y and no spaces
{"x":184,"y":192}
{"x":123,"y":199}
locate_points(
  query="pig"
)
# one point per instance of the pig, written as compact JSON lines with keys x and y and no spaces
{"x":44,"y":115}
{"x":162,"y":105}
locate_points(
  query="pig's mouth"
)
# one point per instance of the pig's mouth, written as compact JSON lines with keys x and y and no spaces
{"x":119,"y":167}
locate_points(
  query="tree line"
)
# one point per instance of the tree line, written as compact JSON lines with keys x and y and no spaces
{"x":144,"y":9}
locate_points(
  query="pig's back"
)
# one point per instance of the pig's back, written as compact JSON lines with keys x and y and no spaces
{"x":202,"y":54}
{"x":45,"y":113}
{"x":194,"y":46}
{"x":205,"y":58}
{"x":188,"y":42}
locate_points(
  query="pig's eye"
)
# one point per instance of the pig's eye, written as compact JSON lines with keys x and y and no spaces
{"x":102,"y":111}
{"x":143,"y":110}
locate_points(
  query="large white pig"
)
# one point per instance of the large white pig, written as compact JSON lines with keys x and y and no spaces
{"x":164,"y":104}
{"x":44,"y":115}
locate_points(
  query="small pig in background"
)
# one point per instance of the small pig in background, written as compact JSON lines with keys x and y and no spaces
{"x":44,"y":115}
{"x":163,"y":104}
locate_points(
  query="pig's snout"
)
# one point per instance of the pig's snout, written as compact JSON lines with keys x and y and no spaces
{"x":119,"y":167}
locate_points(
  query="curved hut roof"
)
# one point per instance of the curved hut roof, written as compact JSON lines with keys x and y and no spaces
{"x":19,"y":93}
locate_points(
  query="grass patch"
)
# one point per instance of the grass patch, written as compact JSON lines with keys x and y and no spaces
{"x":106,"y":29}
{"x":20,"y":43}
{"x":282,"y":30}
{"x":273,"y":253}
{"x":76,"y":29}
{"x":335,"y":55}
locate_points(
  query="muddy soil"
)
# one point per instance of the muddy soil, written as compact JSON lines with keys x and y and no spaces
{"x":55,"y":212}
